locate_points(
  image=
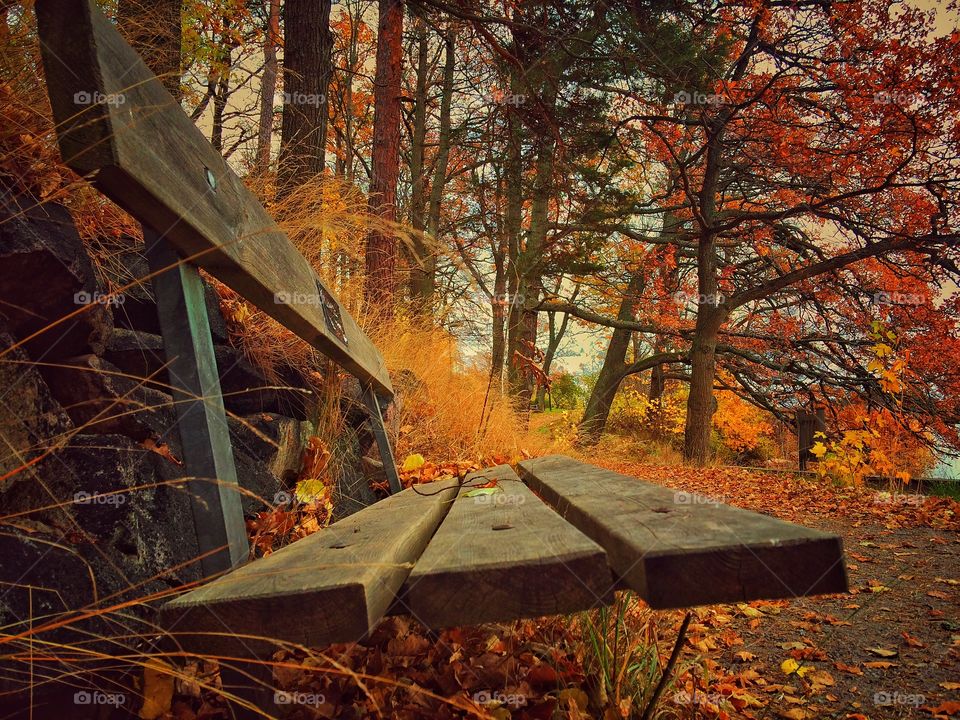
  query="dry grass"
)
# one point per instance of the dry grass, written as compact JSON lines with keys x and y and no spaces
{"x":445,"y":409}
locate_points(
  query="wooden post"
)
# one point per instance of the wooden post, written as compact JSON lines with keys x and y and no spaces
{"x":383,"y":442}
{"x":808,"y":424}
{"x":201,"y":418}
{"x":253,"y":683}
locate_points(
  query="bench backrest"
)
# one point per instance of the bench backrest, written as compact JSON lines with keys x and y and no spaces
{"x":117,"y":124}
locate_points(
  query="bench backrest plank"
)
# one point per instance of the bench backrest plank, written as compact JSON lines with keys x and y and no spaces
{"x":332,"y":586}
{"x":504,"y":556}
{"x":680,"y":549}
{"x":149,"y":157}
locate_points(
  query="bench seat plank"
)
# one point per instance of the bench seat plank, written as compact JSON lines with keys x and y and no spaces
{"x":504,"y":556}
{"x":332,"y":586}
{"x":680,"y":549}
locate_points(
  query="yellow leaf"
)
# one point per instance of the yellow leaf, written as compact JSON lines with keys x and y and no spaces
{"x":882,"y":350}
{"x":818,"y":449}
{"x":413,"y":462}
{"x":310,"y":490}
{"x":790,"y":666}
{"x":157,"y":689}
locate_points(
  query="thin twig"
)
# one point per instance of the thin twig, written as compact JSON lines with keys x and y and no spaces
{"x":677,"y":646}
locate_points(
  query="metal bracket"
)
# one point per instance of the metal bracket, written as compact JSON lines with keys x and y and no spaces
{"x":383,"y":442}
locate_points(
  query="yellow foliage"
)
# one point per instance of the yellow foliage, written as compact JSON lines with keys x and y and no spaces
{"x":741,"y":425}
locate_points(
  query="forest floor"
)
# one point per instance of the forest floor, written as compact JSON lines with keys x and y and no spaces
{"x":888,"y":649}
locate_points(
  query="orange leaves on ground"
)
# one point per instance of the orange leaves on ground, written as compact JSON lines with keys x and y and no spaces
{"x":423,"y":471}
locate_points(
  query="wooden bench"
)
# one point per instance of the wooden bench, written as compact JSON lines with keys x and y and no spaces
{"x":560,"y":538}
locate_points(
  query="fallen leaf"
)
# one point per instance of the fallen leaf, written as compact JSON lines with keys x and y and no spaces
{"x":881,"y":664}
{"x":157,"y":689}
{"x":911,"y":641}
{"x":575,"y":695}
{"x":950,"y":685}
{"x":790,"y":666}
{"x":821,"y":677}
{"x":950,"y":707}
{"x":413,"y":462}
{"x":852,"y":669}
{"x":162,"y":449}
{"x":883,"y":652}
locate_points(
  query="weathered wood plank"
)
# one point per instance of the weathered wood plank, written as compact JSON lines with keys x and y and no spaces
{"x":116,"y":121}
{"x":201,"y":419}
{"x":680,"y":549}
{"x":502,"y":557}
{"x":332,"y":586}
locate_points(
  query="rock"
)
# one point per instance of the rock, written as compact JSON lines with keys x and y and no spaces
{"x":61,"y":580}
{"x":100,"y":399}
{"x":31,"y":420}
{"x":267,"y":450}
{"x":245,"y":391}
{"x":274,"y":440}
{"x":352,"y":491}
{"x":97,"y":554}
{"x":45,"y":275}
{"x":139,"y":309}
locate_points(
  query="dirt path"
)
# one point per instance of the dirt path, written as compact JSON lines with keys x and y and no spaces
{"x":889,"y":649}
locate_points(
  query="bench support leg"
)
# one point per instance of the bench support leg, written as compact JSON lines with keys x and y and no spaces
{"x":251,"y":682}
{"x":383,"y":442}
{"x":201,"y":418}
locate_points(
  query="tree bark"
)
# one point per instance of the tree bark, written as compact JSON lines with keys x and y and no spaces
{"x":306,"y":77}
{"x":711,"y":314}
{"x":499,"y":305}
{"x":613,"y":369}
{"x":418,"y":180}
{"x":554,"y":338}
{"x":268,"y":86}
{"x":381,"y":246}
{"x":220,"y":85}
{"x":700,"y":402}
{"x":426,"y":275}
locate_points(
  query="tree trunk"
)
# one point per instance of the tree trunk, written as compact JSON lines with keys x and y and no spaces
{"x":154,"y":29}
{"x":418,"y":252}
{"x":499,"y":304}
{"x":306,"y":76}
{"x":220,"y":86}
{"x":554,"y":338}
{"x":711,"y":314}
{"x":701,"y":403}
{"x":526,"y":294}
{"x":612,"y":372}
{"x":268,"y":86}
{"x":426,"y":275}
{"x":352,"y":62}
{"x":381,"y":247}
